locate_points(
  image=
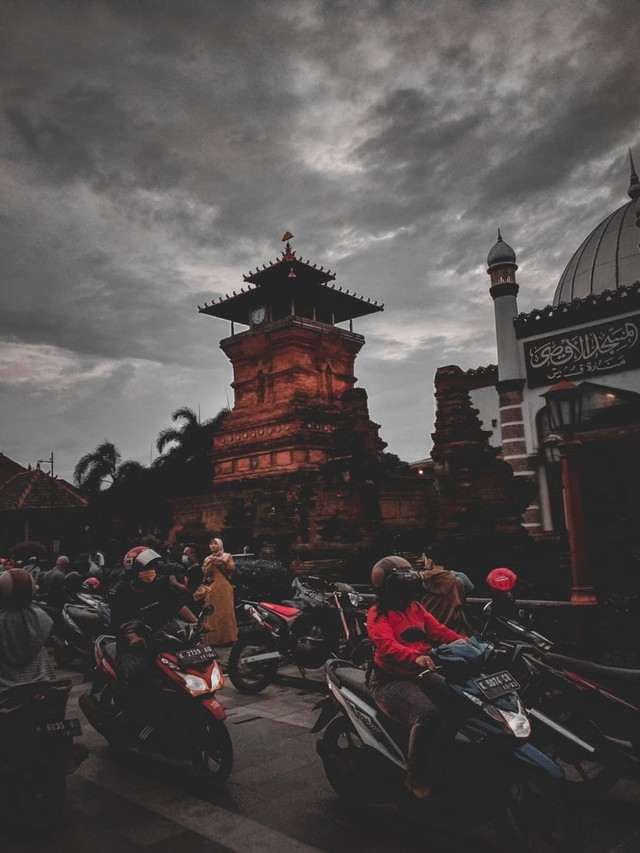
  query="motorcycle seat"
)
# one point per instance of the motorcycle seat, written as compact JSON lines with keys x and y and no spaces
{"x":83,"y":613}
{"x":627,"y":681}
{"x":281,"y":610}
{"x":353,"y":679}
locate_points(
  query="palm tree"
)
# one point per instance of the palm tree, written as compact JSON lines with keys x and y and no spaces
{"x":93,"y":469}
{"x":186,"y":466}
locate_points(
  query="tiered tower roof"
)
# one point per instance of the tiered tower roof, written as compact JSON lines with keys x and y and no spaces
{"x":290,"y":278}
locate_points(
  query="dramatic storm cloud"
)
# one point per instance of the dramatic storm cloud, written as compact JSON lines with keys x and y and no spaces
{"x":154,"y":151}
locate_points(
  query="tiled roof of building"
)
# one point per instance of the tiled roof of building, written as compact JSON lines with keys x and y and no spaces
{"x":9,"y":468}
{"x":33,"y":490}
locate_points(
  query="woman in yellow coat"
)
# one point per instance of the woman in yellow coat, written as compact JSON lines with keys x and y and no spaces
{"x":216,"y":590}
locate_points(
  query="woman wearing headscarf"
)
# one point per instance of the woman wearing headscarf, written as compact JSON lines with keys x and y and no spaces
{"x":24,"y":630}
{"x":216,"y":590}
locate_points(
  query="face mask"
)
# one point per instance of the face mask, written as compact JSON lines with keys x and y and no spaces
{"x":147,"y":576}
{"x":185,"y":560}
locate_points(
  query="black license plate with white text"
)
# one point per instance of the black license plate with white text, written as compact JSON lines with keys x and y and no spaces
{"x":496,"y":685}
{"x":67,"y":727}
{"x":200,"y":654}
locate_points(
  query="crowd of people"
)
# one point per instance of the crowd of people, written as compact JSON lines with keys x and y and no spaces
{"x":147,"y":590}
{"x":188,"y":580}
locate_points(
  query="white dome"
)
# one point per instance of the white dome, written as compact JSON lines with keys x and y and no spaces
{"x":609,"y":258}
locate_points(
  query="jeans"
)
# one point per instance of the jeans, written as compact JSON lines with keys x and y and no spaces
{"x":428,"y":707}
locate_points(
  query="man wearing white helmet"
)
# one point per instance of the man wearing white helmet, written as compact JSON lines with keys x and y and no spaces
{"x":138,"y":602}
{"x":142,"y":597}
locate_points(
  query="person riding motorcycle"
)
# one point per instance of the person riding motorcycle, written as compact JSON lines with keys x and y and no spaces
{"x":24,"y":630}
{"x":141,"y":601}
{"x":424,"y":704}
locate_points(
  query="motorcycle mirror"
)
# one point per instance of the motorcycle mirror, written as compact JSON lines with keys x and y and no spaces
{"x":414,"y":635}
{"x":526,"y":618}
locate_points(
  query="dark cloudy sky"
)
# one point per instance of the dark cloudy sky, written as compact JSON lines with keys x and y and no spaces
{"x":153,"y":151}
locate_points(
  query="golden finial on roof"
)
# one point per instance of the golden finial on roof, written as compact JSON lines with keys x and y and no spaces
{"x":288,"y":254}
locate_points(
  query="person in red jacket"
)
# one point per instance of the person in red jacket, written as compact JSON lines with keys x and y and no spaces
{"x":424,"y":703}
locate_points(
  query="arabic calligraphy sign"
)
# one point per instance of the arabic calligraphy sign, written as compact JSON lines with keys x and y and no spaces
{"x":610,"y":346}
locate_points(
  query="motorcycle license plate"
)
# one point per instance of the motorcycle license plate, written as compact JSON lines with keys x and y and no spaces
{"x":201,"y":654}
{"x":496,"y":685}
{"x":67,"y":727}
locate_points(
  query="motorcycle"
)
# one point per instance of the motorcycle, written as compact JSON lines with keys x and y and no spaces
{"x":599,"y":705}
{"x":327,"y":620}
{"x":36,"y":753}
{"x":186,"y":678}
{"x":493,"y":774}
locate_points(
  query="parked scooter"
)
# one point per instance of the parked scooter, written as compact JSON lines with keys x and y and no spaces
{"x":186,"y":677}
{"x":36,"y":753}
{"x":328,"y":620}
{"x":82,"y":623}
{"x":493,"y":774}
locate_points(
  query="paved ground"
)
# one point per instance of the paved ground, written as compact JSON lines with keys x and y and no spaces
{"x":277,"y":797}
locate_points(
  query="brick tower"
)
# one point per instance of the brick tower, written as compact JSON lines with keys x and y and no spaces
{"x":298,"y":452}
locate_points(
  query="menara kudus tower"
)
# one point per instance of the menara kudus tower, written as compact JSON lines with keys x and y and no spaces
{"x":297,"y":459}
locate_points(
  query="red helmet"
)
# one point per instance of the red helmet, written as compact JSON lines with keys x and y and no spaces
{"x":92,"y":584}
{"x":502,"y":579}
{"x":139,"y":558}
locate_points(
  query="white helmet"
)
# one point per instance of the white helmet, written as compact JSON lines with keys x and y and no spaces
{"x":137,"y":559}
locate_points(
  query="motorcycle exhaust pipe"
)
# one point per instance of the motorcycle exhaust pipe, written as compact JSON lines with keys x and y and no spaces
{"x":547,"y":721}
{"x":253,"y":613}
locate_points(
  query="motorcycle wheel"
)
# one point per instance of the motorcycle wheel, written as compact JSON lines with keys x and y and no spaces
{"x":341,"y":752}
{"x":252,"y":677}
{"x":535,"y":816}
{"x":39,"y":800}
{"x":213,"y":754}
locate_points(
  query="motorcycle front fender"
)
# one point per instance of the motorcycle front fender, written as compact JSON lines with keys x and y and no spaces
{"x":528,"y":754}
{"x":328,"y":710}
{"x":213,"y":707}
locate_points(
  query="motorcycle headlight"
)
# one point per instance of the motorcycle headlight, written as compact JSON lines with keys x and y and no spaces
{"x":516,"y":721}
{"x":354,"y":598}
{"x":194,"y":683}
{"x":216,"y":676}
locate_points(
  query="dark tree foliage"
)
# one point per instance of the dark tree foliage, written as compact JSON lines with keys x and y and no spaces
{"x":129,"y":500}
{"x":185,"y":466}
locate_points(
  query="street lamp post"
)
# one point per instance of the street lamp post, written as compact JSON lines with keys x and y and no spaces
{"x":564,"y":403}
{"x":49,"y":462}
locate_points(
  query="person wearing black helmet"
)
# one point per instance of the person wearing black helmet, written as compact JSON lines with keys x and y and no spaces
{"x":24,"y":630}
{"x":426,"y":703}
{"x":141,"y":600}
